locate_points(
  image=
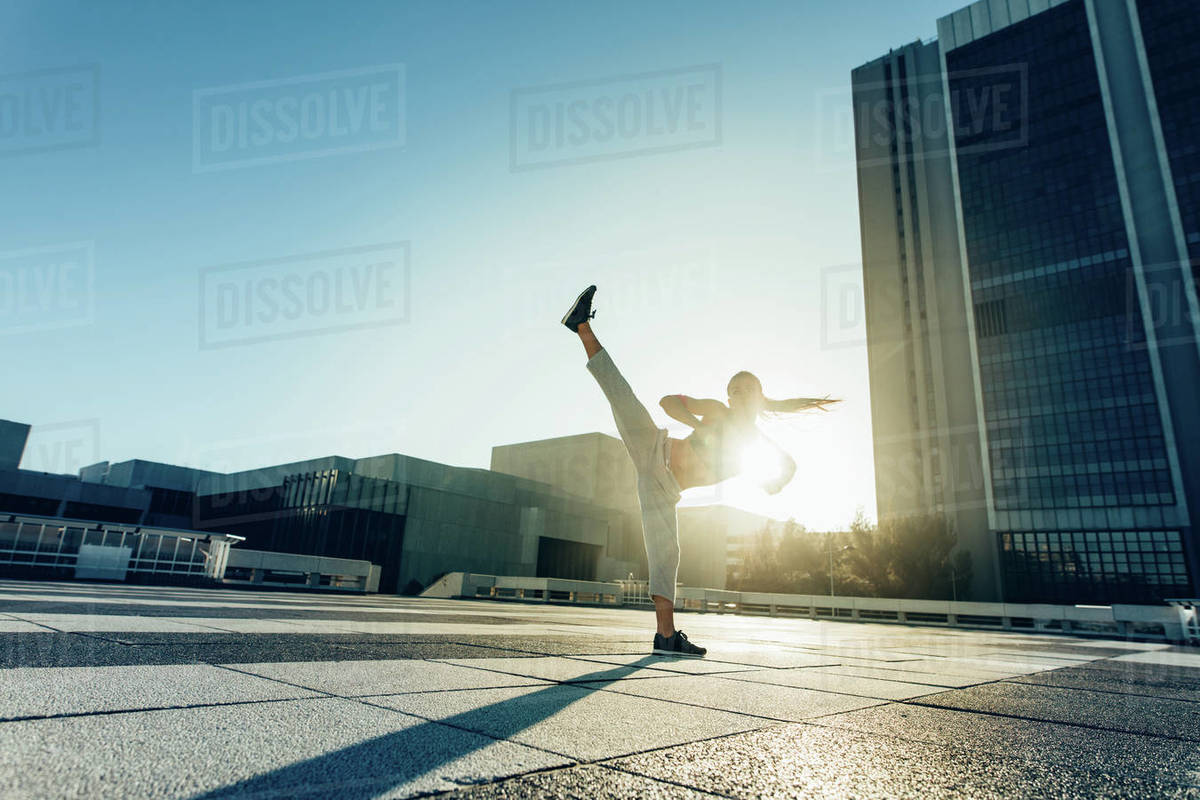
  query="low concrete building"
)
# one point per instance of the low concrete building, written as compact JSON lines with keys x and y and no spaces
{"x":597,"y":467}
{"x":419,"y":519}
{"x":560,"y":508}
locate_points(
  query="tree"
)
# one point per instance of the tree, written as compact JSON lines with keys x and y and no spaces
{"x":911,"y":557}
{"x":759,"y":572}
{"x":904,"y":557}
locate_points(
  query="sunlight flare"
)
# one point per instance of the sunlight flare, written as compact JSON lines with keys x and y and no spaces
{"x":761,"y":463}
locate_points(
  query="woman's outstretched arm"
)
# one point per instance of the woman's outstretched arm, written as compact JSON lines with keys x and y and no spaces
{"x":800,"y":403}
{"x":688,"y":409}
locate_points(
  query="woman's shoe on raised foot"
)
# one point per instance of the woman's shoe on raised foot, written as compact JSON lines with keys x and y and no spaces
{"x":581,"y":310}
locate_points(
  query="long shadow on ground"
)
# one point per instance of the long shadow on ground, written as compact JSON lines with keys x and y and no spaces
{"x":377,"y":765}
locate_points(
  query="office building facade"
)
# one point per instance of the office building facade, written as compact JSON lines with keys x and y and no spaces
{"x":1065,"y":169}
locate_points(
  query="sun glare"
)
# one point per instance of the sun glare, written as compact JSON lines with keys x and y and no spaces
{"x":761,"y":463}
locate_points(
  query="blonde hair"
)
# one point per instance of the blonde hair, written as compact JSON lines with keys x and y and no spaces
{"x":789,"y":405}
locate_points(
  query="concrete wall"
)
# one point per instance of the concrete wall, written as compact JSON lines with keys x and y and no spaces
{"x":13,"y":436}
{"x":137,"y":472}
{"x":55,"y":494}
{"x":590,"y":465}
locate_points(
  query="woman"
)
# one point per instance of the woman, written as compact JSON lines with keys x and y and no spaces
{"x":666,"y":466}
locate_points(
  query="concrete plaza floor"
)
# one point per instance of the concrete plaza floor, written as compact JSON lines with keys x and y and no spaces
{"x":130,"y":692}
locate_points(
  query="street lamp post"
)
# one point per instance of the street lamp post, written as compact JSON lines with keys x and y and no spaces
{"x":841,"y":550}
{"x":830,"y":567}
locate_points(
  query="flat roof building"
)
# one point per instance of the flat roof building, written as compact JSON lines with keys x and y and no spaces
{"x":416,"y":519}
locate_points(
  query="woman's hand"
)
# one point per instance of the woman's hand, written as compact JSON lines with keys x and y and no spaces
{"x":785,"y":476}
{"x":821,"y":402}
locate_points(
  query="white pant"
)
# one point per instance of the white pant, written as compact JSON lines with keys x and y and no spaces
{"x":658,"y":491}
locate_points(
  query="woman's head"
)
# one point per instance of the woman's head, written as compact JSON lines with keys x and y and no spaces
{"x":746,"y":398}
{"x":746,"y":394}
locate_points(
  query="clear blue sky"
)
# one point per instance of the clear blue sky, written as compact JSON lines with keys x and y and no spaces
{"x":709,"y":259}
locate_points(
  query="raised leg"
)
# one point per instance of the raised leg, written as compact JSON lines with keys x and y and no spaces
{"x":591,"y":344}
{"x":637,"y":428}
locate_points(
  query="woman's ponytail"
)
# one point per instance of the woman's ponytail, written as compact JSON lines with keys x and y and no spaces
{"x":792,"y":405}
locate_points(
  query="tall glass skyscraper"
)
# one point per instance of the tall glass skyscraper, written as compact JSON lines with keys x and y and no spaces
{"x":1030,"y":200}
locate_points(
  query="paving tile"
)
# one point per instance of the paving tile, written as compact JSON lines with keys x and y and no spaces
{"x":1100,"y":648}
{"x":556,"y":668}
{"x":558,"y":645}
{"x":100,"y":623}
{"x":1131,"y":713}
{"x":819,"y":762}
{"x":579,"y":723}
{"x":1140,"y":679}
{"x":325,"y":747}
{"x":1117,"y":647}
{"x":1064,"y":655}
{"x":934,"y":679}
{"x":973,"y":672}
{"x":235,"y":625}
{"x":49,"y":691}
{"x":991,"y":659}
{"x":352,"y":678}
{"x":785,"y":703}
{"x":865,"y":655}
{"x":578,"y":783}
{"x":1176,"y":657}
{"x":843,"y":684}
{"x":690,"y":666}
{"x":1132,"y":671}
{"x":1094,"y":750}
{"x":767,"y":655}
{"x":1014,"y":664}
{"x":72,"y":650}
{"x":443,"y":628}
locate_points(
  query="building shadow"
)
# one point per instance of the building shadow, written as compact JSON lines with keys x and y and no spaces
{"x":380,"y":764}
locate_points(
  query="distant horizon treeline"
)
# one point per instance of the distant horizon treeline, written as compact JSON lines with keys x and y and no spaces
{"x":907,"y":557}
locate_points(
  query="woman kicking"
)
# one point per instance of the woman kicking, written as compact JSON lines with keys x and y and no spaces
{"x":666,"y":466}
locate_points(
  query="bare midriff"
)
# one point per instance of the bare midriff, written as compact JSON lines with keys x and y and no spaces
{"x":688,"y":470}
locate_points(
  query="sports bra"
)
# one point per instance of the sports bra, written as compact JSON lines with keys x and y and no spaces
{"x":715,"y":449}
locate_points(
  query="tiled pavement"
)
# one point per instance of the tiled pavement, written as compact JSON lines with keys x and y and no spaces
{"x":120,"y":691}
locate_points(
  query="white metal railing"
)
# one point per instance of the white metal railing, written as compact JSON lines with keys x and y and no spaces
{"x":1160,"y":623}
{"x":1157,"y":623}
{"x":56,"y":542}
{"x":544,"y":590}
{"x":636,"y":593}
{"x":1189,"y":617}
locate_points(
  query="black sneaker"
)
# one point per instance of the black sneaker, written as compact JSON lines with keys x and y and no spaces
{"x":676,"y":644}
{"x":581,"y":310}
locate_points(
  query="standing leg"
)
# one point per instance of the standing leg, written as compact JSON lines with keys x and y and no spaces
{"x":660,"y":527}
{"x":664,"y":612}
